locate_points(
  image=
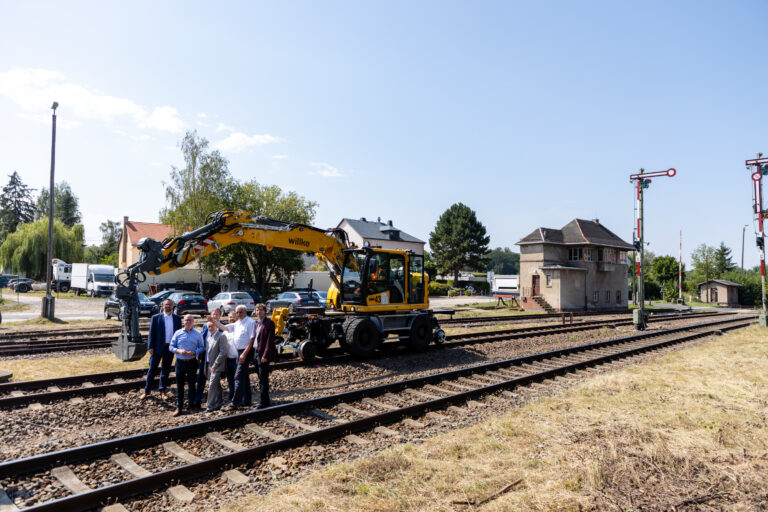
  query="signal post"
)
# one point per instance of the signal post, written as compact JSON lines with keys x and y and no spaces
{"x":759,"y":168}
{"x":642,"y":181}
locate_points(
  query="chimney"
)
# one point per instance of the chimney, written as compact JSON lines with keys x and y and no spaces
{"x":596,"y":221}
{"x":363,"y":219}
{"x":390,"y":223}
{"x":378,"y":219}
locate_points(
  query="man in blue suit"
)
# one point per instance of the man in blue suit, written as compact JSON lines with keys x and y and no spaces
{"x":161,"y":331}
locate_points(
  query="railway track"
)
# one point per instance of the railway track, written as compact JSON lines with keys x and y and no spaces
{"x":12,"y":394}
{"x":41,"y":342}
{"x":235,"y":440}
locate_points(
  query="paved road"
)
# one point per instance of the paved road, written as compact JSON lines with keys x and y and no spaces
{"x":66,"y":309}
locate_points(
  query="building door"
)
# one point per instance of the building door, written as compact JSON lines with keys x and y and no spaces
{"x":713,"y":295}
{"x":535,"y":289}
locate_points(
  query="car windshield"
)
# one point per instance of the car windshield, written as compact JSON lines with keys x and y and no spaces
{"x":142,"y":297}
{"x":192,"y":296}
{"x":241,"y":296}
{"x":104,"y":278}
{"x":306,"y":296}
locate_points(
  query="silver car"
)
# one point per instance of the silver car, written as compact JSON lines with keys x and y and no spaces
{"x":228,"y":301}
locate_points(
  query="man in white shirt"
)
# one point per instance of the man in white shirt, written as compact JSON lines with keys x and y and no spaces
{"x":243,"y":334}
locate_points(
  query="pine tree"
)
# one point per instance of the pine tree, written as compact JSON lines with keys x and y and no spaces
{"x":65,"y":204}
{"x":16,"y":205}
{"x":723,"y":262}
{"x":459,"y":241}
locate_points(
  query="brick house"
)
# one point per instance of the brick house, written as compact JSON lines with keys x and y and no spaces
{"x":581,"y":266}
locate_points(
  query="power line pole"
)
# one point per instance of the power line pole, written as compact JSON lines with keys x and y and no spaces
{"x":48,"y":300}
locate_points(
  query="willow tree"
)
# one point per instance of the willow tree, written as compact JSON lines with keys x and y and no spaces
{"x":26,"y":250}
{"x":197,"y":189}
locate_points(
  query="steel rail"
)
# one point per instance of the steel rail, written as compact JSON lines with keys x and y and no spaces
{"x":142,"y":485}
{"x":70,"y":455}
{"x":455,"y":341}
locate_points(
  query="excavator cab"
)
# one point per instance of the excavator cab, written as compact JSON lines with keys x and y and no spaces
{"x":381,"y":280}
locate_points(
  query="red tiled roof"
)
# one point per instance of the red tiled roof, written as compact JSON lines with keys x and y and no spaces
{"x":139,"y":230}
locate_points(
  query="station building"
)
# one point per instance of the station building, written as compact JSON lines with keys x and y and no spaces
{"x":579,"y":267}
{"x":380,"y":234}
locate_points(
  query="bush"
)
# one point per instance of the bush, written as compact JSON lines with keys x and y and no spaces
{"x":438,"y":289}
{"x":468,"y":292}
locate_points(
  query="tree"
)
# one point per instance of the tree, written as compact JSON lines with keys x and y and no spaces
{"x":703,"y":258}
{"x":196,"y":190}
{"x":503,"y":261}
{"x":106,"y":253}
{"x":65,"y":205}
{"x":665,"y":271}
{"x":26,"y":250}
{"x":722,"y":260}
{"x":459,"y":241}
{"x":254,"y":264}
{"x":16,"y":205}
{"x":429,"y":266}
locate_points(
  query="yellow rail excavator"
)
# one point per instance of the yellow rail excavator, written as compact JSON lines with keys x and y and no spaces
{"x":376,"y":293}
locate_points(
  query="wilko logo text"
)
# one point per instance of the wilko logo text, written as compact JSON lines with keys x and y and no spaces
{"x":299,"y":241}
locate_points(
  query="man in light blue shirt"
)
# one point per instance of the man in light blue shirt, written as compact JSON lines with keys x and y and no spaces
{"x":187,"y":343}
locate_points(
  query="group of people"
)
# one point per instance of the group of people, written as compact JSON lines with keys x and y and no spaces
{"x":216,"y":352}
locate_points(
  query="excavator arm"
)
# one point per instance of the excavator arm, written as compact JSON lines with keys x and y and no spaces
{"x":223,"y":228}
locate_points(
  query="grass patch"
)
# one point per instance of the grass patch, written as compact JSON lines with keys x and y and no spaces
{"x":61,"y":295}
{"x":40,"y":323}
{"x":686,"y":431}
{"x":36,"y":369}
{"x":10,"y":305}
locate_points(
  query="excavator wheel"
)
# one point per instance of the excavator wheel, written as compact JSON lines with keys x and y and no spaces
{"x":362,"y":337}
{"x":421,"y":333}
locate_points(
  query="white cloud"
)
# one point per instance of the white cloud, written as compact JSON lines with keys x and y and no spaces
{"x":46,"y":120}
{"x":280,"y":157}
{"x":222,"y":127}
{"x":239,"y":141}
{"x":34,"y":89}
{"x":202,"y":115}
{"x":326,"y":170}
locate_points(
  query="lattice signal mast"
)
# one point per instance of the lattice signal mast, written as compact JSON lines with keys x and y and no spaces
{"x":642,"y":181}
{"x":759,"y":168}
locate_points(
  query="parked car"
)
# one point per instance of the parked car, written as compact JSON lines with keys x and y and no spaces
{"x":112,"y":307}
{"x":21,"y":285}
{"x":159,"y":297}
{"x":293,"y":300}
{"x":228,"y":301}
{"x":5,"y":278}
{"x":322,"y":297}
{"x":256,"y":296}
{"x":189,"y":303}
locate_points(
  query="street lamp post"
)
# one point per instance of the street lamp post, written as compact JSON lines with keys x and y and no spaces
{"x":48,"y":300}
{"x":743,"y":230}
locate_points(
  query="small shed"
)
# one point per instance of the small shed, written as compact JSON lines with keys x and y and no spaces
{"x":720,"y":292}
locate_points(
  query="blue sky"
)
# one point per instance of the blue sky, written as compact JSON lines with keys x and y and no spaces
{"x":530,"y":113}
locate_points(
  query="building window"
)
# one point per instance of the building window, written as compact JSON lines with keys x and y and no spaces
{"x":594,"y":296}
{"x":623,"y":257}
{"x":588,"y":254}
{"x":618,"y":296}
{"x":607,"y":296}
{"x":549,"y":280}
{"x":610,"y":256}
{"x":599,"y":255}
{"x":575,"y":254}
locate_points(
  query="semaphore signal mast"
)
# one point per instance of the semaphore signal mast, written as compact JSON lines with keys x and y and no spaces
{"x":759,"y":168}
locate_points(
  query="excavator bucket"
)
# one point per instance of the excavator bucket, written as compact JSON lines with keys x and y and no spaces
{"x":125,"y":350}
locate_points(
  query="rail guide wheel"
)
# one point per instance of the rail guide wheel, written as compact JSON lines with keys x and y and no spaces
{"x":307,"y":350}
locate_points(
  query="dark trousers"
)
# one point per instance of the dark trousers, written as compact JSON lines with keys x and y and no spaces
{"x":231,"y":367}
{"x":201,"y":380}
{"x":263,"y":369}
{"x":242,"y":382}
{"x":164,"y":361}
{"x":186,"y":373}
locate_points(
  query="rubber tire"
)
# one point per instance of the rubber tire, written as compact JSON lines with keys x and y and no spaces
{"x":421,"y":333}
{"x":63,"y":288}
{"x":362,"y":337}
{"x":106,"y":314}
{"x":22,"y":288}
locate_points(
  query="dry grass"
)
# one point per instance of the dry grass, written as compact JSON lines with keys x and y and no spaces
{"x":65,"y":366}
{"x":687,"y":431}
{"x":40,"y":323}
{"x":10,"y":305}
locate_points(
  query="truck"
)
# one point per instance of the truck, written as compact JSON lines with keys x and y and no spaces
{"x":61,"y":279}
{"x":93,"y":280}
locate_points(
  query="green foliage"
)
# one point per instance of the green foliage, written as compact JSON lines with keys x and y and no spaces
{"x":65,"y":205}
{"x":664,"y":270}
{"x":750,"y":292}
{"x":459,"y":241}
{"x":723,"y":261}
{"x":16,"y":205}
{"x":703,"y":258}
{"x":25,"y":251}
{"x":254,"y":264}
{"x":429,"y":266}
{"x":652,"y":290}
{"x":106,"y":253}
{"x":504,"y":261}
{"x":438,"y":289}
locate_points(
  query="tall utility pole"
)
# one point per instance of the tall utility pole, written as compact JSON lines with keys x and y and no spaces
{"x":680,"y":272}
{"x":743,"y":230}
{"x":642,"y":181}
{"x":760,"y":167}
{"x":48,"y":300}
